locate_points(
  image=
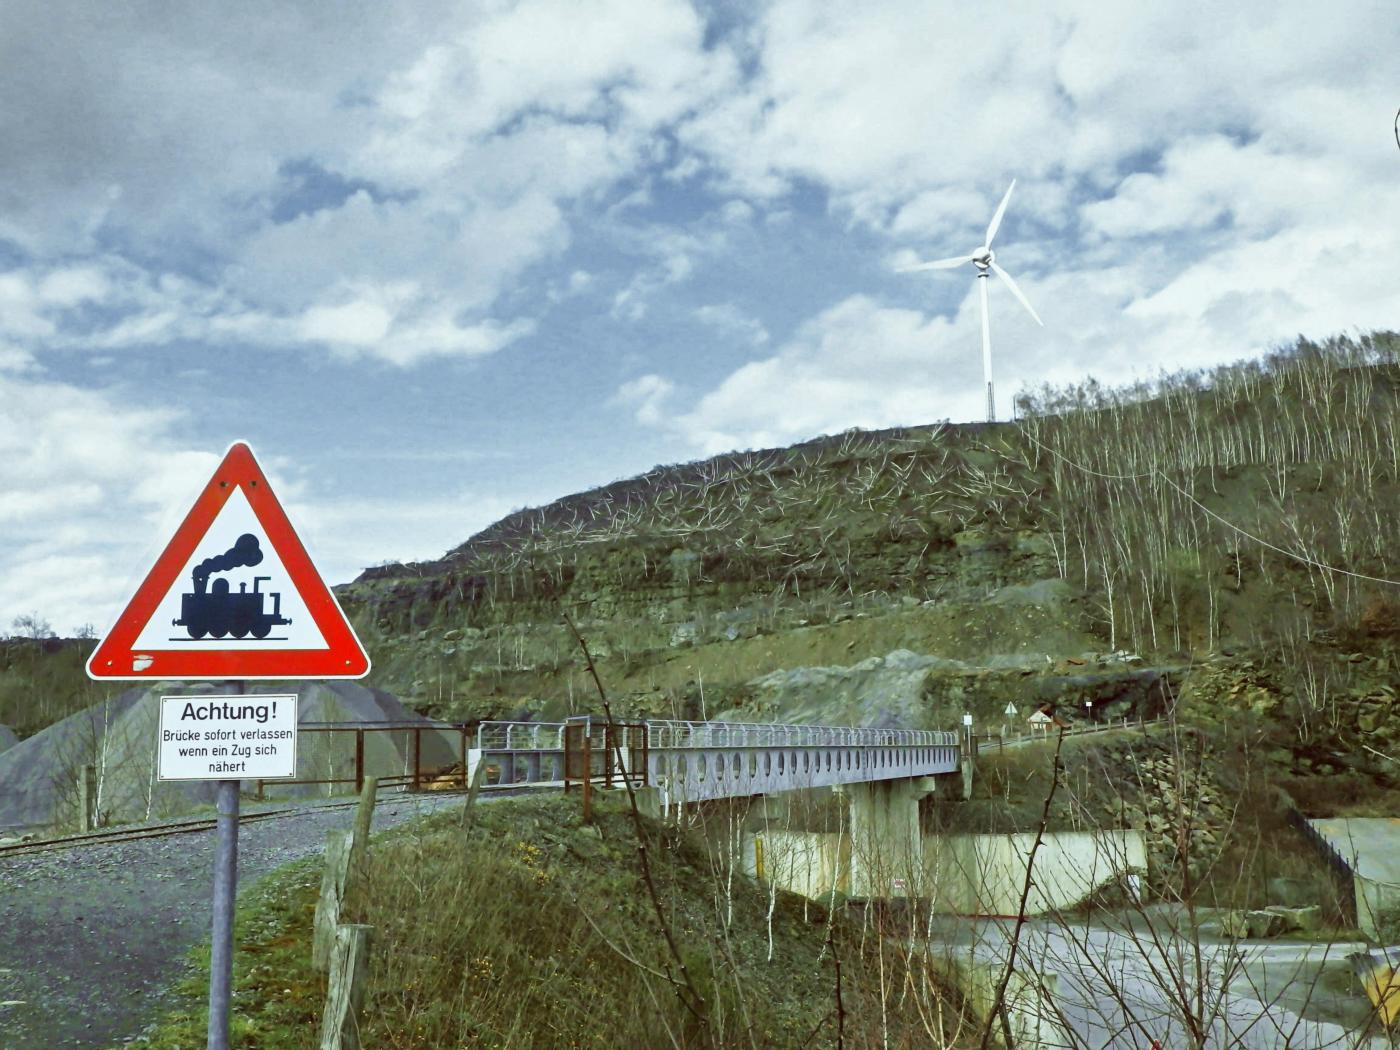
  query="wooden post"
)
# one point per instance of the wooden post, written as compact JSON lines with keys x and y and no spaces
{"x":417,"y":757}
{"x":587,"y":780}
{"x":358,"y":869}
{"x":359,"y":759}
{"x":349,"y":968}
{"x":87,"y":798}
{"x":609,"y":750}
{"x":333,"y":880}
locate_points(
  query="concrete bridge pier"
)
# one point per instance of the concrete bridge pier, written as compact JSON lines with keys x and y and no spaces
{"x":887,"y":851}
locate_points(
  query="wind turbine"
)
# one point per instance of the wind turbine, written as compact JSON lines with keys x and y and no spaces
{"x":985,"y":260}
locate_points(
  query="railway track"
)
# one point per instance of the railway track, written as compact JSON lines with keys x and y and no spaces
{"x":183,"y":827}
{"x":191,"y":827}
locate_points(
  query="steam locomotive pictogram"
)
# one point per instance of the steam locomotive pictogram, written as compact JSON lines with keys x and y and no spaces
{"x":214,"y":609}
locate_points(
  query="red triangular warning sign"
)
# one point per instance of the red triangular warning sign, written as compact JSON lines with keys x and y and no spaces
{"x":234,"y":595}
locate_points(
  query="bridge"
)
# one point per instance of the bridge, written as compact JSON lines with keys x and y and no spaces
{"x":883,"y":773}
{"x":689,"y":762}
{"x":670,"y":765}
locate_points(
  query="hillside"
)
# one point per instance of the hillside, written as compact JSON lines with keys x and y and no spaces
{"x":1182,"y":519}
{"x":1186,"y":522}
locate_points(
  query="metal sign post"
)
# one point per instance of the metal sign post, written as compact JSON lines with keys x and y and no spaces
{"x":221,"y":937}
{"x":202,"y":614}
{"x":206,"y":737}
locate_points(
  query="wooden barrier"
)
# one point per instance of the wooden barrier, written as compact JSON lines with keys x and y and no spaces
{"x":358,"y":874}
{"x":345,"y":875}
{"x":87,"y":798}
{"x":335,"y":876}
{"x":349,"y":968}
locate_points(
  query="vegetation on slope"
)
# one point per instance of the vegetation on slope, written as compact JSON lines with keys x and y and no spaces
{"x":43,"y":681}
{"x":1251,"y":511}
{"x":525,"y":927}
{"x":1235,"y":528}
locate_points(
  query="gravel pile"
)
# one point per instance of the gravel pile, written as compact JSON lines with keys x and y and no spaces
{"x":91,"y":939}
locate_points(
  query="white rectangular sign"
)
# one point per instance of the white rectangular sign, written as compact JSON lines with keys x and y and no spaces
{"x":224,"y":737}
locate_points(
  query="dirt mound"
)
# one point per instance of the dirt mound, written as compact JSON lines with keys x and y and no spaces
{"x":38,"y":777}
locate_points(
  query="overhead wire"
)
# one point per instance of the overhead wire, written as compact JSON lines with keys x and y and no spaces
{"x":1155,"y":472}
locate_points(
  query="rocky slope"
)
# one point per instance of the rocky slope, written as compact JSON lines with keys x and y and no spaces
{"x":1225,"y":539}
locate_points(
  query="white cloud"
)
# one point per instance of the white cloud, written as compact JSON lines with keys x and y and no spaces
{"x":646,"y":396}
{"x":82,"y":477}
{"x":90,"y":490}
{"x":460,"y":138}
{"x":732,"y":322}
{"x":354,"y":323}
{"x":857,"y":364}
{"x":13,"y":359}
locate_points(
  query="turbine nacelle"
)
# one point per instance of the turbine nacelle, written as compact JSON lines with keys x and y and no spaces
{"x":983,"y":258}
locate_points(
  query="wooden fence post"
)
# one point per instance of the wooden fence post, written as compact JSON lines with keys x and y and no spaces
{"x":87,"y":798}
{"x":359,"y":845}
{"x":340,"y":1024}
{"x":333,"y":880}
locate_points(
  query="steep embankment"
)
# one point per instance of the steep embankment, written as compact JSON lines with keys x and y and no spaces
{"x":1179,"y":519}
{"x":1252,"y":511}
{"x":523,"y":926}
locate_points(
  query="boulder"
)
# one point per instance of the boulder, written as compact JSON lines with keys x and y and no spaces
{"x":1307,"y":918}
{"x":1253,"y":925}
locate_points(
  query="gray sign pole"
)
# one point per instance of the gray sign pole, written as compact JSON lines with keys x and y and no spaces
{"x":225,"y":893}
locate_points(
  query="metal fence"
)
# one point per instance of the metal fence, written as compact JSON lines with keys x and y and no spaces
{"x":520,"y":736}
{"x":410,"y":755}
{"x":1338,"y":866}
{"x":999,"y":742}
{"x":421,"y":755}
{"x":678,"y":734}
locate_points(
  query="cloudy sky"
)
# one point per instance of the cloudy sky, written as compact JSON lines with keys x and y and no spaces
{"x":436,"y":261}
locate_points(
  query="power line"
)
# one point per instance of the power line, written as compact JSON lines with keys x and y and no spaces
{"x":1303,"y":558}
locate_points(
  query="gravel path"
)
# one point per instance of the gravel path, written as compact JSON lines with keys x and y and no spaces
{"x":92,"y":938}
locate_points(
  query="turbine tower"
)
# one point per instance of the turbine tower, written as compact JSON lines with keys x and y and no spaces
{"x":985,"y":261}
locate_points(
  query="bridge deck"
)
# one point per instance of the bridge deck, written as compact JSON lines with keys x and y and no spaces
{"x":695,"y":761}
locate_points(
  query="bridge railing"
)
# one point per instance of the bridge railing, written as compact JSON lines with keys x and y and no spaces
{"x":663,"y":733}
{"x":520,"y":736}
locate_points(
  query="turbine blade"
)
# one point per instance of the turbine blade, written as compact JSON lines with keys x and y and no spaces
{"x":1017,"y":293}
{"x":996,"y":219}
{"x":941,"y":264}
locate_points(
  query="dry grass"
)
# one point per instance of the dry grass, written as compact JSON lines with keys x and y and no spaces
{"x":525,"y":927}
{"x":521,"y":927}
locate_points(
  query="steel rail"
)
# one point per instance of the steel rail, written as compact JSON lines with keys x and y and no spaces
{"x":104,"y":838}
{"x":189,"y":827}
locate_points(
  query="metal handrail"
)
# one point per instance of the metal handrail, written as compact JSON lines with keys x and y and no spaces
{"x":520,"y":736}
{"x":990,"y":741}
{"x":674,"y":733}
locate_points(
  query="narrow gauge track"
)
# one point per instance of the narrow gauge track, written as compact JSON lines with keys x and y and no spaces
{"x":188,"y":827}
{"x":183,"y":827}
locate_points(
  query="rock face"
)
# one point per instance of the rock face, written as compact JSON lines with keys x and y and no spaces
{"x":1169,"y":788}
{"x":913,"y":691}
{"x":38,"y":776}
{"x":883,"y":691}
{"x":7,"y":738}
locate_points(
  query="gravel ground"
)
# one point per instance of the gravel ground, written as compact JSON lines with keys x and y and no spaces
{"x":92,"y":938}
